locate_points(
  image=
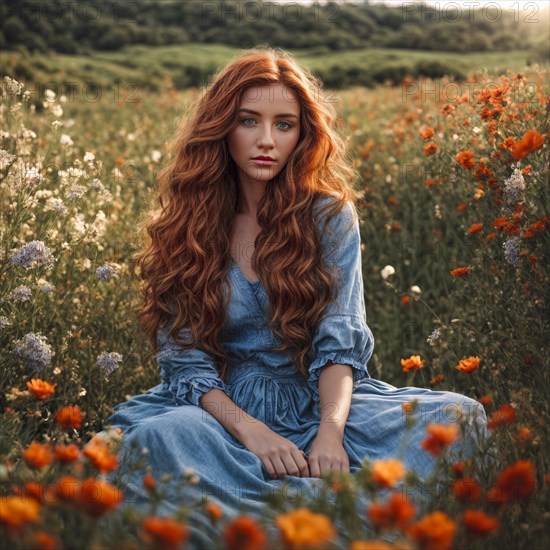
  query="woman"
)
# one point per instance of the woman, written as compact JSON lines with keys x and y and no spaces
{"x":253,"y":291}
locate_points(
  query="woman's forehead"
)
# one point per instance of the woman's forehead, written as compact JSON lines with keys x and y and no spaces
{"x":277,"y":94}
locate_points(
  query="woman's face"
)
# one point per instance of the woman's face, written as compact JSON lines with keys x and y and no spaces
{"x":268,"y":126}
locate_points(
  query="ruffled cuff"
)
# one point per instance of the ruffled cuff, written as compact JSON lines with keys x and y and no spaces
{"x":359,"y":370}
{"x":187,"y":390}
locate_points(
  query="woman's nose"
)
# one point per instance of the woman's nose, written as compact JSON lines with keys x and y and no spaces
{"x":266,"y":136}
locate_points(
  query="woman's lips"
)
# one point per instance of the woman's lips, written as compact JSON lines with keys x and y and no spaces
{"x":263,"y":162}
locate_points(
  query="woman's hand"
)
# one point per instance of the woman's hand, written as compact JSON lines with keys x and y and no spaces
{"x":327,"y":453}
{"x":279,"y":456}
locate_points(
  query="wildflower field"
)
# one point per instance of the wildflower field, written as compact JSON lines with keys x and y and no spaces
{"x":454,"y":223}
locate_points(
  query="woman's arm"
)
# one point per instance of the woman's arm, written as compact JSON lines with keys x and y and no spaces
{"x":236,"y":421}
{"x":335,"y":388}
{"x":279,"y":455}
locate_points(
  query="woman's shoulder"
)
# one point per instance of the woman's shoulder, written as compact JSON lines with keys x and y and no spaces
{"x":333,"y":219}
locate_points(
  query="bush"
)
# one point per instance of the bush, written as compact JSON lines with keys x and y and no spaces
{"x":114,"y":39}
{"x":436,"y":69}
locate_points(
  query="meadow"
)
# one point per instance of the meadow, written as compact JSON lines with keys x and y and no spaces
{"x":188,"y":65}
{"x":454,"y":225}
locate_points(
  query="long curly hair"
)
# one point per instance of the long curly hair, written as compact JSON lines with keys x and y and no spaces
{"x":185,"y":258}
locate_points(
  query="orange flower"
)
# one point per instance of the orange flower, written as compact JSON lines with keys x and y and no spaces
{"x":17,"y":510}
{"x":69,"y":417}
{"x":524,"y":435}
{"x":478,"y":194}
{"x":465,"y":158}
{"x":37,"y":455}
{"x":434,"y":531}
{"x":244,"y":533}
{"x":302,"y":529}
{"x":149,"y":482}
{"x":387,"y":472}
{"x":436,"y":380}
{"x":397,"y":512}
{"x":98,"y":497}
{"x":97,"y":451}
{"x":427,"y":133}
{"x":516,"y":481}
{"x":504,"y":416}
{"x":467,"y":489}
{"x":45,"y":541}
{"x":485,"y":400}
{"x":530,"y":142}
{"x":405,"y":299}
{"x":474,"y":228}
{"x":68,"y":488}
{"x":66,"y":453}
{"x":430,"y":149}
{"x":40,"y":389}
{"x":414,"y":362}
{"x":459,"y":467}
{"x":441,"y":436}
{"x":213,"y":510}
{"x":395,"y":226}
{"x":460,"y":271}
{"x":408,"y":407}
{"x":468,"y":365}
{"x":479,"y":523}
{"x":164,"y":533}
{"x":32,"y":489}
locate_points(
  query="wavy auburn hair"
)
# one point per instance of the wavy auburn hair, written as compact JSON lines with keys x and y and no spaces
{"x":185,"y":258}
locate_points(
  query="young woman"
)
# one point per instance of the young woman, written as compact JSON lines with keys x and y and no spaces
{"x":253,"y":295}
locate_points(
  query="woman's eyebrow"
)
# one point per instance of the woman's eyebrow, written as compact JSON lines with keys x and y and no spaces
{"x":276,"y":116}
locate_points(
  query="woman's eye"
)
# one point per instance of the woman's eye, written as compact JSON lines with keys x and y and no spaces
{"x":288,"y":125}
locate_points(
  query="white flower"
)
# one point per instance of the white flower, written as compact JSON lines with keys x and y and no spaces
{"x":416,"y":290}
{"x":89,"y":157}
{"x":65,"y":139}
{"x":476,"y":130}
{"x":455,"y":136}
{"x":155,"y":156}
{"x":12,"y":86}
{"x":387,"y":272}
{"x":57,"y":111}
{"x":49,"y":95}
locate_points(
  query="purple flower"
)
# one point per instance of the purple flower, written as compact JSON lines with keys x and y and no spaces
{"x":34,"y":253}
{"x":105,"y":272}
{"x":511,"y":252}
{"x":33,"y":350}
{"x":20,"y":294}
{"x":108,"y":360}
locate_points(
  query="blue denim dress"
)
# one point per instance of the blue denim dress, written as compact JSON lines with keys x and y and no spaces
{"x":179,"y":434}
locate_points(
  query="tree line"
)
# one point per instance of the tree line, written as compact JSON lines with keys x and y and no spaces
{"x":75,"y":27}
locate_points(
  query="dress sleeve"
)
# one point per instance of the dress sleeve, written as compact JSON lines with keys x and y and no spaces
{"x":187,"y":373}
{"x":343,"y":336}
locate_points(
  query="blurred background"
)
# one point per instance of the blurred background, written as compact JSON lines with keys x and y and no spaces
{"x":156,"y":43}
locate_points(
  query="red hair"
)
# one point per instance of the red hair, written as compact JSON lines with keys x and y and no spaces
{"x":185,"y":258}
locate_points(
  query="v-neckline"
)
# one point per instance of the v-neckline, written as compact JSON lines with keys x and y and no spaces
{"x":253,"y":283}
